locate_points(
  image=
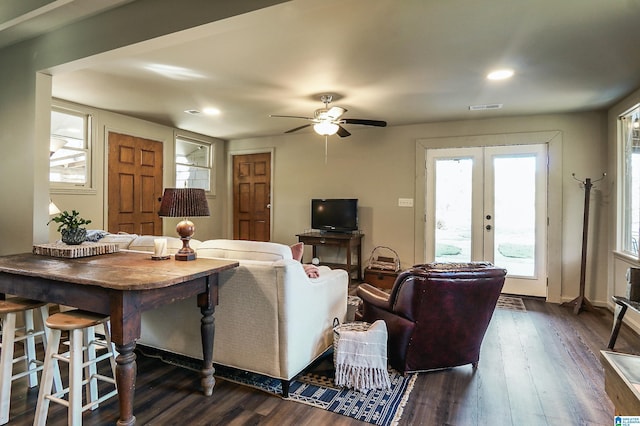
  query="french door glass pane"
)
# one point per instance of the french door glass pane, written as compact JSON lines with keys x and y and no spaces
{"x":514,"y":213}
{"x":453,"y":210}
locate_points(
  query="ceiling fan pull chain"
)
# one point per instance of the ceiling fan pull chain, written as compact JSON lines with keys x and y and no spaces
{"x":325,"y":149}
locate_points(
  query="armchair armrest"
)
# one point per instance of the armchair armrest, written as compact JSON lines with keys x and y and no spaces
{"x":373,"y":296}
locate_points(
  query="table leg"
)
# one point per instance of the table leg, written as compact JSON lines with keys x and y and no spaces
{"x":207,"y":302}
{"x":618,"y":314}
{"x":126,"y":370}
{"x":207,"y":329}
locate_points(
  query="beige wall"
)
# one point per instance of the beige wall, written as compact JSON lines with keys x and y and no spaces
{"x":377,"y":166}
{"x":92,"y":203}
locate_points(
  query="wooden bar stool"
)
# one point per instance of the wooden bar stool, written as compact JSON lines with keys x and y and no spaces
{"x":81,"y":327}
{"x":9,"y":310}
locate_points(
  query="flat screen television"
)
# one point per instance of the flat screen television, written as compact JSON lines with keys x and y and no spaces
{"x":334,"y":214}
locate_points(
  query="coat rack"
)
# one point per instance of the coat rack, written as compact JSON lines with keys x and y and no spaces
{"x":581,"y":302}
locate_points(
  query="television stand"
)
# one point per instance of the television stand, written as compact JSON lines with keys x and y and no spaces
{"x":337,"y":239}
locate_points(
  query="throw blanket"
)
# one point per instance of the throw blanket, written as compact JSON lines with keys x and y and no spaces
{"x":361,"y":358}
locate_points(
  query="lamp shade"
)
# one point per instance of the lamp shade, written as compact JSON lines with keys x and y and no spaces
{"x":184,"y":202}
{"x":53,"y":209}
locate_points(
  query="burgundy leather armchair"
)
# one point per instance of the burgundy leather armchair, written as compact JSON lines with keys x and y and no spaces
{"x":436,"y":315}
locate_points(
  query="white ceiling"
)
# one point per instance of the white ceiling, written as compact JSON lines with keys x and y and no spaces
{"x":403,"y":61}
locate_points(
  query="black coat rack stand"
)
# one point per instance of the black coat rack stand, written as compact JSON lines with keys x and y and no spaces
{"x":581,"y":302}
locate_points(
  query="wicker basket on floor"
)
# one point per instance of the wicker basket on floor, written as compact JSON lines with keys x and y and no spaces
{"x":347,"y":326}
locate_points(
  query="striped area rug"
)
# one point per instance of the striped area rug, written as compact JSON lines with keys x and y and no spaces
{"x":511,"y":303}
{"x":316,"y":388}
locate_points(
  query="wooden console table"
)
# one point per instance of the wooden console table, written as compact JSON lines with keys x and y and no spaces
{"x":622,"y":304}
{"x":622,"y":381}
{"x":121,"y":285}
{"x":334,"y":239}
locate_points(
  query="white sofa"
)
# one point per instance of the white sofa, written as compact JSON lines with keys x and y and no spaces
{"x":271,"y":318}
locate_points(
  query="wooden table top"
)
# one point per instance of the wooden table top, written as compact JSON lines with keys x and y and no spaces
{"x":119,"y":271}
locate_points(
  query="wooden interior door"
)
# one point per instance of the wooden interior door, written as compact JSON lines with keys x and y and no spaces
{"x":252,"y":197}
{"x":135,"y":185}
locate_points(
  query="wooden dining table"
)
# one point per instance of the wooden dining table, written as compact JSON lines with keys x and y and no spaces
{"x":121,"y":285}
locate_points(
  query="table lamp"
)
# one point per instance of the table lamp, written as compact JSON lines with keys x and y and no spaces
{"x":185,"y":203}
{"x":53,"y":209}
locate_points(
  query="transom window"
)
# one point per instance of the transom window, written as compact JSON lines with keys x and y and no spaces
{"x":69,"y":148}
{"x":193,"y":164}
{"x":630,"y":140}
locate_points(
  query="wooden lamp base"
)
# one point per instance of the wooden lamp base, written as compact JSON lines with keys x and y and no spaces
{"x":185,"y":229}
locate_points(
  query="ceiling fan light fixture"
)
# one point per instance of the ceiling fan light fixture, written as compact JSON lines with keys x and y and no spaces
{"x":326,"y":128}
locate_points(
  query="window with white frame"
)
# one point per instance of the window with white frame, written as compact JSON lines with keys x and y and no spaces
{"x":193,"y":163}
{"x":69,"y":148}
{"x":630,"y":179}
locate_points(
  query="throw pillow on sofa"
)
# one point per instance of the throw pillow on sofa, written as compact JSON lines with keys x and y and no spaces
{"x":297,"y":250}
{"x":312,"y":270}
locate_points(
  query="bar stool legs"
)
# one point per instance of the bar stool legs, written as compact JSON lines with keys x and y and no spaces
{"x":9,"y":309}
{"x":80,"y":325}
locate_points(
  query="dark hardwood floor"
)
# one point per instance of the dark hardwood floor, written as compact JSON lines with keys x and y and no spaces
{"x":539,"y":367}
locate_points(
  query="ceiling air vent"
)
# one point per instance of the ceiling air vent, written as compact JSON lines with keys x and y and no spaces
{"x":484,"y":107}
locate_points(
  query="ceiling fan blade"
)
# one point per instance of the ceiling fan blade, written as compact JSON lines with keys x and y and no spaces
{"x":377,"y":123}
{"x":297,"y":128}
{"x":342,"y":132}
{"x":335,"y":112}
{"x":291,"y":116}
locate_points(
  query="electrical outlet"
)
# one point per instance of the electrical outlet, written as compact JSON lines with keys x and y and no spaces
{"x":405,"y":202}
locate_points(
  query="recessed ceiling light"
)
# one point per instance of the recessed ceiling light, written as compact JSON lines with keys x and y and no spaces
{"x":484,"y":107}
{"x":500,"y":74}
{"x":211,"y":111}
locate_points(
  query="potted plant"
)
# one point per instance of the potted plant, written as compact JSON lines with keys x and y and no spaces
{"x":70,"y":227}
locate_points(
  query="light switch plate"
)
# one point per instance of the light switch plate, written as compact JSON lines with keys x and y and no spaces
{"x":405,"y":202}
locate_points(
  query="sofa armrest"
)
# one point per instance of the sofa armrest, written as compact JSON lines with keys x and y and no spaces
{"x":373,"y":296}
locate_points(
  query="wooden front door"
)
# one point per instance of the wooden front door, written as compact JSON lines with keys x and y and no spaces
{"x":135,"y":185}
{"x":252,"y":197}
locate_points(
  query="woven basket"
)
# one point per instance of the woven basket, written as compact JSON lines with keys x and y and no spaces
{"x":390,"y":262}
{"x":347,"y":326}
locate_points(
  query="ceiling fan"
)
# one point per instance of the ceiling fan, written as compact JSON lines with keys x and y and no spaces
{"x":327,"y":121}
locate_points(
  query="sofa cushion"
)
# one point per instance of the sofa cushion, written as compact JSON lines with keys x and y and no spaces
{"x":123,"y":240}
{"x":245,"y":250}
{"x":145,"y":243}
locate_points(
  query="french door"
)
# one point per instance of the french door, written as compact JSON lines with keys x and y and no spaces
{"x":490,"y":204}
